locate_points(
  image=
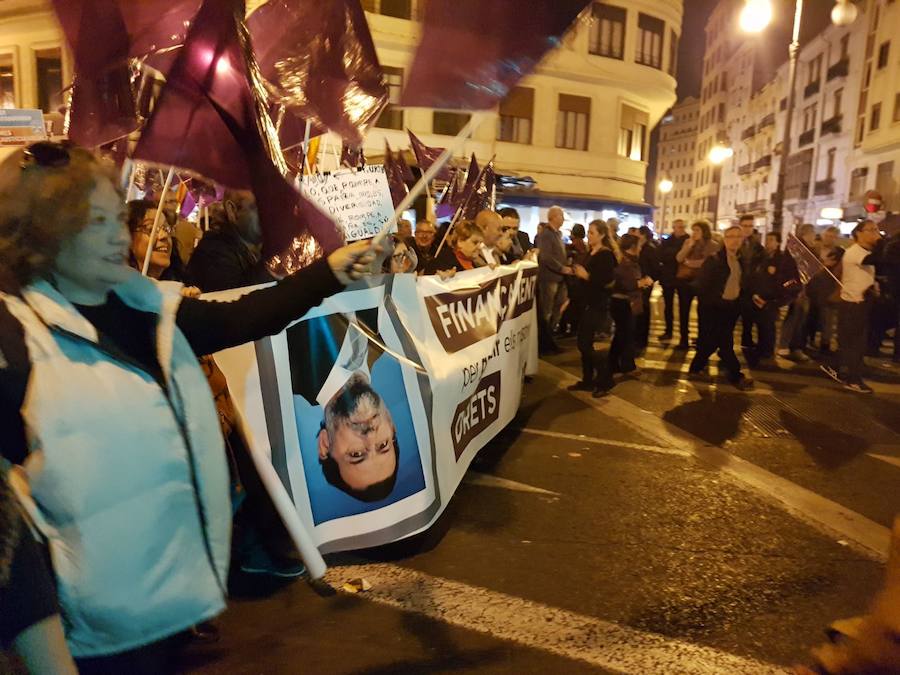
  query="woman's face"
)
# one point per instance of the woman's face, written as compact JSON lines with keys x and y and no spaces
{"x":161,"y":257}
{"x":593,"y":237}
{"x":469,"y":247}
{"x":96,"y":257}
{"x":696,"y":233}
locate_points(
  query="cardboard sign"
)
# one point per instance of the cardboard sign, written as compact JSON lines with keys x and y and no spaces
{"x":359,"y":201}
{"x":21,"y":127}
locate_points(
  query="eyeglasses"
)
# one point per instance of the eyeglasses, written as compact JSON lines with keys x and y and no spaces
{"x":47,"y":155}
{"x":163,"y":227}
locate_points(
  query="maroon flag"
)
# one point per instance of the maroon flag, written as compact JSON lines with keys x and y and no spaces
{"x":472,"y":177}
{"x":210,"y":119}
{"x":481,"y":196}
{"x":426,"y":156}
{"x":405,"y":171}
{"x":320,"y":61}
{"x":394,"y":174}
{"x":473,"y":52}
{"x":157,"y":28}
{"x":353,"y":156}
{"x":808,"y":263}
{"x":103,"y":105}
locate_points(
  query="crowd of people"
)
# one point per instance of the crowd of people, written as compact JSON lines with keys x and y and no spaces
{"x":140,"y":517}
{"x":839,"y":303}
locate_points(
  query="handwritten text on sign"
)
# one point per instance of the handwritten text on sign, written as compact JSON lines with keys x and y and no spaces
{"x":360,"y":202}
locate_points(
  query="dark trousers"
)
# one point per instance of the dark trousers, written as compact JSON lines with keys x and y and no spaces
{"x":153,"y":659}
{"x":748,"y":315}
{"x":853,"y":327}
{"x":642,"y":321}
{"x":717,"y":335}
{"x":668,"y":293}
{"x":621,"y":351}
{"x":594,"y":370}
{"x":686,"y":297}
{"x":764,"y":319}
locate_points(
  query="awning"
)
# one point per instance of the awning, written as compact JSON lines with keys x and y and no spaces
{"x":568,"y":201}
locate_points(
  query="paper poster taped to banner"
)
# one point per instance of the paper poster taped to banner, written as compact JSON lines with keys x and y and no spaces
{"x":372,"y":407}
{"x":359,"y":201}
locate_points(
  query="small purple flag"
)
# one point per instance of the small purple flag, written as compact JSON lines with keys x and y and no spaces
{"x":481,"y":195}
{"x":426,"y":156}
{"x":353,"y":156}
{"x":394,"y":174}
{"x":808,"y":263}
{"x":472,"y":52}
{"x":320,"y":60}
{"x":460,"y":197}
{"x":405,"y":171}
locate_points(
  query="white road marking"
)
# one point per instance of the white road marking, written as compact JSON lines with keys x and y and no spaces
{"x":486,"y":480}
{"x":836,"y":520}
{"x":537,"y":626}
{"x":885,"y":458}
{"x":604,"y":441}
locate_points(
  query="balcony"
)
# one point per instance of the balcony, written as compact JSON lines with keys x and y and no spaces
{"x":832,"y":126}
{"x":745,"y":169}
{"x":742,"y":208}
{"x":807,"y":137}
{"x":797,"y":191}
{"x":749,"y":132}
{"x":824,"y":187}
{"x":759,"y":206}
{"x":763,"y":162}
{"x":839,"y":69}
{"x":811,"y":88}
{"x":767,"y":121}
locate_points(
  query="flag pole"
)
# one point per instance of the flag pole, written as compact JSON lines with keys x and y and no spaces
{"x":463,"y":206}
{"x":824,"y":267}
{"x":159,"y":213}
{"x":428,"y":176}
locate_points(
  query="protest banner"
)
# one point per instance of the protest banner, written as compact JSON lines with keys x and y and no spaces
{"x":371,"y":407}
{"x":359,"y":201}
{"x":21,"y":126}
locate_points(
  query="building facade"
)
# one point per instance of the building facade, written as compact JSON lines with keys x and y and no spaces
{"x":676,"y":162}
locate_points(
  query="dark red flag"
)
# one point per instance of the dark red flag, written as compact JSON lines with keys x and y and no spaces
{"x":321,"y":63}
{"x":394,"y":174}
{"x":472,"y":52}
{"x":352,"y":157}
{"x":426,"y":156}
{"x":405,"y":171}
{"x":481,"y":196}
{"x":472,"y":177}
{"x":210,"y":118}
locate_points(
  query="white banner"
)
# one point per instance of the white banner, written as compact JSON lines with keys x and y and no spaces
{"x":358,"y":200}
{"x":372,"y":407}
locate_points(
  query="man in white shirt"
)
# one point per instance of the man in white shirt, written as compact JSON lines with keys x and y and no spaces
{"x":491,"y":224}
{"x":858,"y":286}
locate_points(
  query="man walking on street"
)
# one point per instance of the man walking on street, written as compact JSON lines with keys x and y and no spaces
{"x":752,"y":256}
{"x":553,"y":269}
{"x":858,"y":289}
{"x":719,"y":286}
{"x":668,"y":273}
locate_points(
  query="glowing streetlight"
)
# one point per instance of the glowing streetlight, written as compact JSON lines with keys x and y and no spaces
{"x":756,"y":15}
{"x":844,"y":13}
{"x":665,"y":187}
{"x":720,"y":153}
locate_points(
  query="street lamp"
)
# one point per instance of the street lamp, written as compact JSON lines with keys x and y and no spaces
{"x":665,"y":187}
{"x":718,"y":155}
{"x":755,"y":16}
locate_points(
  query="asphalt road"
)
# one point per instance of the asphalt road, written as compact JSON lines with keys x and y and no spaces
{"x":673,"y":527}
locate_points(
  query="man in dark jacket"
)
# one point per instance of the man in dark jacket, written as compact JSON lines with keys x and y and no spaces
{"x":650,"y":264}
{"x":752,"y":256}
{"x":719,"y":286}
{"x":668,"y":272}
{"x":231,"y":255}
{"x":768,"y":288}
{"x":521,"y":244}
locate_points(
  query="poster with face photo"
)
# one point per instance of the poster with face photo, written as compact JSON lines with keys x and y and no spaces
{"x":372,"y":406}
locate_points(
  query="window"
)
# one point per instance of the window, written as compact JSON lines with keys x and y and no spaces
{"x":402,"y":9}
{"x":815,"y":69}
{"x":607,"y":36}
{"x":884,"y":53}
{"x":858,"y":182}
{"x":884,"y":180}
{"x":650,"y":41}
{"x":516,"y":115}
{"x":633,"y":133}
{"x":829,"y":166}
{"x":809,"y":117}
{"x":838,"y":95}
{"x":7,"y":82}
{"x":392,"y":117}
{"x":673,"y":53}
{"x":845,"y":47}
{"x":49,"y":79}
{"x":573,"y":122}
{"x":875,"y":117}
{"x":449,"y":123}
{"x":896,"y":107}
{"x":721,"y":112}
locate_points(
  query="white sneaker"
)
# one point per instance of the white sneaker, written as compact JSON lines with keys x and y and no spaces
{"x":799,"y":355}
{"x":783,"y":353}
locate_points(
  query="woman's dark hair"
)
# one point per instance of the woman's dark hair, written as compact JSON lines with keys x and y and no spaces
{"x":647,"y":232}
{"x":465,"y":229}
{"x":578,"y":231}
{"x":628,"y":242}
{"x":705,"y":228}
{"x":137,"y":210}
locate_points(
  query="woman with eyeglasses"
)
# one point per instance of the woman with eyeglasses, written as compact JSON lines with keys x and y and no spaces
{"x":108,"y":415}
{"x":165,"y":263}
